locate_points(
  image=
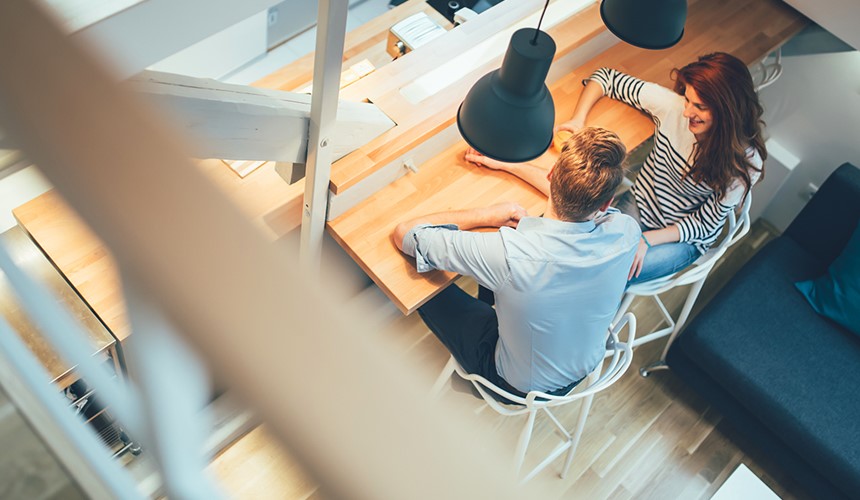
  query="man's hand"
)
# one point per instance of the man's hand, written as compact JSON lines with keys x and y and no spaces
{"x":477,"y":158}
{"x":534,"y":175}
{"x":504,"y":214}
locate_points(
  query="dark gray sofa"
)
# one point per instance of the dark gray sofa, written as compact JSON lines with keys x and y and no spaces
{"x":785,"y":377}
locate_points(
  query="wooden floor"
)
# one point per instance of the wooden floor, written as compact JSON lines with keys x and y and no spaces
{"x":645,"y":438}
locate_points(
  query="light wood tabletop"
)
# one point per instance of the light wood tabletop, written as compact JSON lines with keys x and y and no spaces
{"x":87,"y":264}
{"x":82,"y":258}
{"x":34,"y":262}
{"x":420,"y":119}
{"x":749,"y":30}
{"x":269,"y":202}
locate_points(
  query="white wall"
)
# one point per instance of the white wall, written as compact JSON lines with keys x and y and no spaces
{"x":18,"y":188}
{"x":813,"y":110}
{"x":222,"y":52}
{"x":836,"y":16}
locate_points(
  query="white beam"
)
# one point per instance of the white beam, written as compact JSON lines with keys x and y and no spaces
{"x":5,"y":143}
{"x":147,"y":32}
{"x":236,"y":122}
{"x":328,"y":62}
{"x":175,"y":384}
{"x":243,"y":303}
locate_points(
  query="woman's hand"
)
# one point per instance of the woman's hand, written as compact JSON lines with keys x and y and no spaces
{"x":571,"y":125}
{"x":477,"y":158}
{"x":638,"y":260}
{"x":504,"y":214}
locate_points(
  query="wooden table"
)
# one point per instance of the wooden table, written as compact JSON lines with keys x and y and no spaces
{"x":100,"y":341}
{"x":749,"y":30}
{"x":273,"y":205}
{"x":269,"y":202}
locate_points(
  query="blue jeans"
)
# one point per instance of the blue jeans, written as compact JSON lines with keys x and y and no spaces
{"x":660,"y":260}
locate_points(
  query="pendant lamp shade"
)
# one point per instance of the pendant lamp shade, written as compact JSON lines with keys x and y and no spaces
{"x":508,"y":114}
{"x":651,"y":24}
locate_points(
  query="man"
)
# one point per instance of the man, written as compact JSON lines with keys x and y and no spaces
{"x":558,"y":279}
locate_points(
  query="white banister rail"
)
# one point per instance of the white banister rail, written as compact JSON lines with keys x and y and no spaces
{"x":76,"y":446}
{"x":240,"y":302}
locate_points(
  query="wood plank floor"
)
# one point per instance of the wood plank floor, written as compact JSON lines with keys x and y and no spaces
{"x":645,"y":438}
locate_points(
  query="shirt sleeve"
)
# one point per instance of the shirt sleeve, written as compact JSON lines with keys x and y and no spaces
{"x":710,"y":216}
{"x":656,"y":100}
{"x":444,"y":247}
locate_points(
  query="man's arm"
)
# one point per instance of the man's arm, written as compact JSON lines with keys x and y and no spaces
{"x":533,"y":174}
{"x":501,"y":214}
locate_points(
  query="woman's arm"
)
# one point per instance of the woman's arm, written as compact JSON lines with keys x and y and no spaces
{"x":668,"y":234}
{"x":533,"y":174}
{"x":649,"y":97}
{"x":589,"y":97}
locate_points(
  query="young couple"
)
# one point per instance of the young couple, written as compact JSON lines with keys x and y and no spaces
{"x":558,"y":279}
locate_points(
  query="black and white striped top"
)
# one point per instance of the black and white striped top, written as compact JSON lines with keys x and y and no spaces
{"x":663,"y":194}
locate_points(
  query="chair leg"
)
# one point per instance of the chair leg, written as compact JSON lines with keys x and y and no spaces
{"x":580,"y":424}
{"x":443,"y":378}
{"x":623,"y":307}
{"x":692,"y":295}
{"x":626,"y":300}
{"x":523,"y":442}
{"x":653,"y":367}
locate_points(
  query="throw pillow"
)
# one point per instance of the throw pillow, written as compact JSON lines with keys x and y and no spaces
{"x":836,"y":294}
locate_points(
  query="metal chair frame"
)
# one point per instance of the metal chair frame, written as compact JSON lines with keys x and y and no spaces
{"x":735,"y":228}
{"x":620,"y":355}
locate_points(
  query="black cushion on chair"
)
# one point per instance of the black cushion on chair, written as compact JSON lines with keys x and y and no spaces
{"x":745,"y":347}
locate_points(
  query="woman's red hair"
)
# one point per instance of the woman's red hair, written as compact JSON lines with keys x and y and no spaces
{"x":725,"y":86}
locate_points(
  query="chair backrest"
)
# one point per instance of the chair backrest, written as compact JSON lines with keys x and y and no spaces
{"x":619,"y":362}
{"x":736,"y":227}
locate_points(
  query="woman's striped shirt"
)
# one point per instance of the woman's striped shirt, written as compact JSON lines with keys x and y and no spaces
{"x":663,"y":193}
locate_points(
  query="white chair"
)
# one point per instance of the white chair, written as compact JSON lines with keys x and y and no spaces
{"x":736,"y":227}
{"x":620,"y":355}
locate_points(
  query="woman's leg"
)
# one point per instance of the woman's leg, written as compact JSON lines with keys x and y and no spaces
{"x":662,"y":260}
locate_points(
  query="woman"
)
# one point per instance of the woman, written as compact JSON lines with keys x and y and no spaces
{"x":708,"y":152}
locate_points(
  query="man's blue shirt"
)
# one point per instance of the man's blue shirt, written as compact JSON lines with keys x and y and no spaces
{"x":557,"y":285}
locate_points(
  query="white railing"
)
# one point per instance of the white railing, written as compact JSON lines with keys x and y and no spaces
{"x":202,"y":283}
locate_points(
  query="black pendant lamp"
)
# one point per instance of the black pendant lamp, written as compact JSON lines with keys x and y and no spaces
{"x":508,"y":114}
{"x":652,"y":24}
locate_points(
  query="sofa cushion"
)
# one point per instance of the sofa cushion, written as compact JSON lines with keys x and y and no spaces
{"x":762,"y":343}
{"x":824,"y":225}
{"x":836,"y":294}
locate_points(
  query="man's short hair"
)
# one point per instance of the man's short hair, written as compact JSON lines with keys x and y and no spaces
{"x":587,"y":173}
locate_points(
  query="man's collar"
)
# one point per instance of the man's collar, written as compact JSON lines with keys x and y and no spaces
{"x":556,"y":226}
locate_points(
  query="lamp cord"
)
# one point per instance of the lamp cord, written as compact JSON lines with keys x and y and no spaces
{"x":534,"y":40}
